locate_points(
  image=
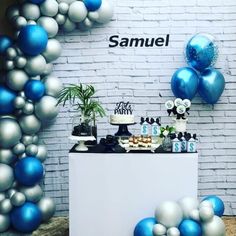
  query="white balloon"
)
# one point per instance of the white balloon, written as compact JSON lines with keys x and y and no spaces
{"x":49,"y":8}
{"x":35,"y":65}
{"x":12,"y":12}
{"x":77,"y":11}
{"x":63,"y":8}
{"x":66,"y":1}
{"x":205,"y":204}
{"x":60,"y":19}
{"x":16,"y":79}
{"x":49,"y":24}
{"x":194,"y":215}
{"x":159,"y":230}
{"x":169,"y":214}
{"x":188,"y":204}
{"x":214,"y":227}
{"x":53,"y":50}
{"x":48,"y":69}
{"x":105,"y":12}
{"x":93,"y":15}
{"x":53,"y":85}
{"x":85,"y":25}
{"x":173,"y":231}
{"x":206,"y":213}
{"x":68,"y":26}
{"x":30,"y":11}
{"x":19,"y":22}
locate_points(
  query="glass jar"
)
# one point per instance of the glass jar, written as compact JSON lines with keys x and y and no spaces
{"x":82,"y":126}
{"x":167,"y":144}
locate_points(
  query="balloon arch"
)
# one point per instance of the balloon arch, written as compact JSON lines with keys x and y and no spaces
{"x":28,"y":98}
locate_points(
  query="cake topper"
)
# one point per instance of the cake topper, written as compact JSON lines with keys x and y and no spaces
{"x":123,"y":108}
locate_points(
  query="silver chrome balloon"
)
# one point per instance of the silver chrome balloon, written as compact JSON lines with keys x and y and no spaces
{"x":16,"y":79}
{"x":28,"y":109}
{"x":53,"y":50}
{"x":85,"y":25}
{"x":214,"y":227}
{"x":206,"y":213}
{"x":20,"y":62}
{"x":19,"y":149}
{"x":63,"y":8}
{"x":10,"y":133}
{"x":35,"y":139}
{"x":77,"y":11}
{"x":93,"y":15}
{"x":32,"y":194}
{"x":19,"y":22}
{"x":9,"y":65}
{"x":4,"y":222}
{"x":66,"y":1}
{"x":6,"y":156}
{"x":5,"y":206}
{"x":19,"y":102}
{"x":49,"y":24}
{"x":30,"y":124}
{"x":194,"y":215}
{"x":188,"y":204}
{"x":159,"y":230}
{"x":48,"y":69}
{"x":49,"y":8}
{"x":12,"y":12}
{"x":6,"y":177}
{"x":27,"y":140}
{"x":173,"y":231}
{"x":68,"y":26}
{"x":30,"y":11}
{"x":105,"y":12}
{"x":47,"y":207}
{"x":18,"y":199}
{"x":31,"y":22}
{"x":31,"y":150}
{"x":60,"y":19}
{"x":53,"y":85}
{"x":42,"y":153}
{"x":35,"y":65}
{"x":2,"y":196}
{"x":11,"y":53}
{"x":169,"y":214}
{"x":10,"y":192}
{"x":46,"y":109}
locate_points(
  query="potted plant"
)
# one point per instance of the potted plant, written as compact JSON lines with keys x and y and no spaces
{"x":81,"y":98}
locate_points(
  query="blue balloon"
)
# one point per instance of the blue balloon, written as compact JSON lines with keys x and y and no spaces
{"x":5,"y":43}
{"x":211,"y":85}
{"x":145,"y":227}
{"x":36,"y":1}
{"x":184,"y":83}
{"x":28,"y":171}
{"x":34,"y":90}
{"x":93,"y":5}
{"x":201,"y":51}
{"x":32,"y":40}
{"x":217,"y":203}
{"x":190,"y":228}
{"x":26,"y":218}
{"x":7,"y":98}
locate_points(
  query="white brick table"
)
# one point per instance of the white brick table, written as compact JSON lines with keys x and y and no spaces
{"x":110,"y":193}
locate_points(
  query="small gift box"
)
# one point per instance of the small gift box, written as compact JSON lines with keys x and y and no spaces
{"x":176,"y":144}
{"x":145,"y":127}
{"x":192,"y":143}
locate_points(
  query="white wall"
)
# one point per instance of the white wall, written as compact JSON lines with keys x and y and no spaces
{"x":140,"y":75}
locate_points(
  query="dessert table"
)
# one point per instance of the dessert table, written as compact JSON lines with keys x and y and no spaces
{"x":110,"y":193}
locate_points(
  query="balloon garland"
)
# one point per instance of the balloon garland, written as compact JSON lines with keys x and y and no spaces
{"x":187,"y":217}
{"x":201,"y":54}
{"x":28,"y":98}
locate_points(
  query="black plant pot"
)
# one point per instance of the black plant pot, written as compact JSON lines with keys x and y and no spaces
{"x":82,"y":130}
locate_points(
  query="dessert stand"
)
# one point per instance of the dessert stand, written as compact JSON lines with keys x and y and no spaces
{"x":81,"y":147}
{"x":123,"y":130}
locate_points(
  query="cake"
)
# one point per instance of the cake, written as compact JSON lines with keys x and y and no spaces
{"x":122,"y":114}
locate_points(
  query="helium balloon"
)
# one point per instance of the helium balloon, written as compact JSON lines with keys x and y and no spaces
{"x":4,"y":223}
{"x":68,"y":26}
{"x":5,"y":43}
{"x":47,"y":207}
{"x":145,"y":227}
{"x":6,"y":156}
{"x":31,"y":150}
{"x":211,"y":85}
{"x":35,"y":65}
{"x":10,"y":133}
{"x":16,"y":79}
{"x":5,"y":206}
{"x":34,"y":90}
{"x":60,"y":19}
{"x":169,"y":214}
{"x":32,"y":194}
{"x":49,"y":24}
{"x":42,"y":153}
{"x":215,"y":227}
{"x":46,"y":109}
{"x":188,"y":204}
{"x":49,"y":8}
{"x":28,"y":171}
{"x":173,"y":231}
{"x":53,"y":50}
{"x":217,"y":203}
{"x":201,"y":51}
{"x":63,"y":8}
{"x":6,"y":177}
{"x":11,"y":53}
{"x":93,"y":5}
{"x":30,"y":11}
{"x":184,"y":83}
{"x":32,"y":39}
{"x":7,"y":98}
{"x":28,"y":109}
{"x":20,"y":62}
{"x":37,"y":1}
{"x":26,"y":218}
{"x":159,"y":230}
{"x":30,"y":124}
{"x":105,"y":12}
{"x":53,"y":86}
{"x":190,"y":228}
{"x":206,"y":213}
{"x":19,"y":149}
{"x":19,"y":102}
{"x":18,"y":199}
{"x":77,"y":11}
